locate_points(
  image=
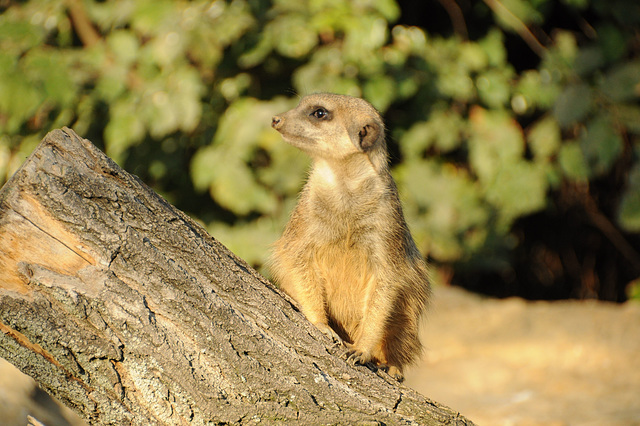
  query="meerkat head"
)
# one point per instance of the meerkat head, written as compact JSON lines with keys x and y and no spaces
{"x":330,"y":126}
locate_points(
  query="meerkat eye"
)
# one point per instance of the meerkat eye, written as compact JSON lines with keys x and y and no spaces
{"x":320,"y":113}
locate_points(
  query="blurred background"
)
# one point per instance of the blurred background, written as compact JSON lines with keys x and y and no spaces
{"x":513,"y":125}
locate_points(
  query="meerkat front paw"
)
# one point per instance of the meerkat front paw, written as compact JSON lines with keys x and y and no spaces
{"x":357,"y":356}
{"x":394,"y":372}
{"x":330,"y":332}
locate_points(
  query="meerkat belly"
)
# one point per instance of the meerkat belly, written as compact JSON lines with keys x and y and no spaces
{"x":348,"y":281}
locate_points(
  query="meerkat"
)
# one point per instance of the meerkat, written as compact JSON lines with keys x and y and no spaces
{"x":346,"y":255}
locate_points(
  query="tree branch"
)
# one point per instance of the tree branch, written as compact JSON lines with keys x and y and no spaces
{"x":81,"y":22}
{"x":456,"y":16}
{"x":516,"y":23}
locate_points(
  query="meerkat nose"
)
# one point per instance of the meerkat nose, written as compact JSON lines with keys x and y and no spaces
{"x":276,"y":122}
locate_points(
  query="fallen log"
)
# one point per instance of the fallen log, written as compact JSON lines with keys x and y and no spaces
{"x":127,"y":311}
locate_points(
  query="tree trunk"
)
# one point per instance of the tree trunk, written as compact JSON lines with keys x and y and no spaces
{"x":126,"y":310}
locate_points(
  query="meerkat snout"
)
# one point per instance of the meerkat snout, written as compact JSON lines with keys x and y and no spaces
{"x":276,"y":122}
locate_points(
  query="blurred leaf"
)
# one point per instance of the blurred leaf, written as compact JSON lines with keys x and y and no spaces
{"x":629,"y":210}
{"x":496,"y":150}
{"x":5,"y":157}
{"x":245,"y":121}
{"x":629,"y":116}
{"x":19,"y":36}
{"x":455,"y":81}
{"x":153,"y":16}
{"x":363,"y":36}
{"x":622,"y":83}
{"x":380,"y":91}
{"x":167,"y":48}
{"x":124,"y":46}
{"x":229,"y":21}
{"x":202,"y":170}
{"x":112,"y":83}
{"x":125,"y":129}
{"x":27,"y":145}
{"x":49,"y":69}
{"x":448,"y":127}
{"x":232,"y":88}
{"x":572,"y":161}
{"x":601,"y":145}
{"x":588,"y":60}
{"x":494,"y":87}
{"x":444,"y":207}
{"x":496,"y":140}
{"x":538,"y":89}
{"x":417,"y":139}
{"x":326,"y":72}
{"x":288,"y":165}
{"x":443,"y":130}
{"x":235,"y":188}
{"x":292,"y":35}
{"x":633,"y":290}
{"x":493,"y":47}
{"x":259,"y":52}
{"x":544,"y":138}
{"x":474,"y":55}
{"x":408,"y":40}
{"x":566,"y":45}
{"x":519,"y":188}
{"x":573,"y":104}
{"x":252,"y":239}
{"x":558,"y":61}
{"x":19,"y":101}
{"x":172,"y":102}
{"x":612,"y":42}
{"x":388,"y":8}
{"x":512,"y":14}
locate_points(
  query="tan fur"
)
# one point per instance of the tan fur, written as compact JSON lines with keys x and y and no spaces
{"x":346,"y":255}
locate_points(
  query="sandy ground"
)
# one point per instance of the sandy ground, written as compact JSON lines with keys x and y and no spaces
{"x":23,"y":403}
{"x":498,"y":362}
{"x":511,"y":362}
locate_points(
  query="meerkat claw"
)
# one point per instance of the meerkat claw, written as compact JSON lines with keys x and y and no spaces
{"x":392,"y":371}
{"x":358,"y":357}
{"x":329,"y":332}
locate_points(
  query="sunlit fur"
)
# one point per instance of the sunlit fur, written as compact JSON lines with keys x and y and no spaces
{"x":346,"y":255}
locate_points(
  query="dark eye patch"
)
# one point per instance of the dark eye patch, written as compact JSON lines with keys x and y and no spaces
{"x":320,"y":113}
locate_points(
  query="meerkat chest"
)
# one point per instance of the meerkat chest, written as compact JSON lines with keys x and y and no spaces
{"x":344,"y":201}
{"x":335,"y":226}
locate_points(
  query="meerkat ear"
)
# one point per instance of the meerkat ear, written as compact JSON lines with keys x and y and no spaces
{"x":368,"y":135}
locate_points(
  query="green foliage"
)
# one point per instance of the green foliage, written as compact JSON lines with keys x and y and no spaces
{"x":224,"y":167}
{"x":181,"y":93}
{"x":633,"y":290}
{"x":629,"y":212}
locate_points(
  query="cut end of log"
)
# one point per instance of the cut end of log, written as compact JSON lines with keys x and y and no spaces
{"x":30,"y":235}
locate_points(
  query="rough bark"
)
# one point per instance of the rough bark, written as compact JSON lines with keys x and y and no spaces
{"x":126,"y":310}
